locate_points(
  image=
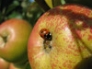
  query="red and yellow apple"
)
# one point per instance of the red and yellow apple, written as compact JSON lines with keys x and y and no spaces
{"x":61,"y":38}
{"x":12,"y":66}
{"x":14,"y":35}
{"x":4,"y":64}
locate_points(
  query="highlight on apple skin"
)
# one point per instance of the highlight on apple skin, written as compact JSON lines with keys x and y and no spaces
{"x":68,"y":42}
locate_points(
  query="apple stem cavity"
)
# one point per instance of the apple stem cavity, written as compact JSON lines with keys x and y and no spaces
{"x":47,"y":44}
{"x":2,"y":42}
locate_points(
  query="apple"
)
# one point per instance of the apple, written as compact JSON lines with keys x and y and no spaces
{"x":14,"y":35}
{"x":4,"y":64}
{"x":12,"y":66}
{"x":61,"y":38}
{"x":26,"y":66}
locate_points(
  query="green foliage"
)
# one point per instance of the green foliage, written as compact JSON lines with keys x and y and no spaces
{"x":33,"y":12}
{"x":22,"y":9}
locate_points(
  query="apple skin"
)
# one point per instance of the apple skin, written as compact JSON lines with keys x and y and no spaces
{"x":26,"y":66}
{"x":4,"y":64}
{"x":12,"y":66}
{"x":14,"y":35}
{"x":71,"y":30}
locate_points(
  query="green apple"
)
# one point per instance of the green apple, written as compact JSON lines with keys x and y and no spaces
{"x":14,"y":35}
{"x":61,"y":38}
{"x":4,"y":64}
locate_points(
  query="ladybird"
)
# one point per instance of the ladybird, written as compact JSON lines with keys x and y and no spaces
{"x":45,"y":34}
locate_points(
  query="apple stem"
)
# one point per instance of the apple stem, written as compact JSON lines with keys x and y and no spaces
{"x":4,"y":38}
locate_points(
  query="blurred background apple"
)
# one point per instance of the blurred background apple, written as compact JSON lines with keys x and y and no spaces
{"x":4,"y":64}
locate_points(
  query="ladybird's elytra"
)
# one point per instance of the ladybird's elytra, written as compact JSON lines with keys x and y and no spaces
{"x":45,"y":34}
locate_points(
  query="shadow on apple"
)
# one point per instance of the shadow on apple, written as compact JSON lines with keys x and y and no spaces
{"x":74,"y":15}
{"x":85,"y":64}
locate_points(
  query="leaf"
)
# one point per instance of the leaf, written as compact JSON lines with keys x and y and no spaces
{"x":53,"y":3}
{"x":49,"y":3}
{"x":15,"y":15}
{"x":12,"y":6}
